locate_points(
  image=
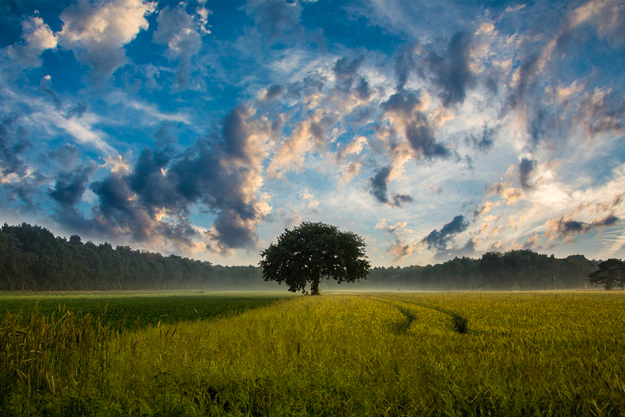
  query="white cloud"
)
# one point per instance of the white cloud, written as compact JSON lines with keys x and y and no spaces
{"x":37,"y":38}
{"x":97,"y":32}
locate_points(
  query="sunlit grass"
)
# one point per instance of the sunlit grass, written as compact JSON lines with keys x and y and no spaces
{"x":365,"y":354}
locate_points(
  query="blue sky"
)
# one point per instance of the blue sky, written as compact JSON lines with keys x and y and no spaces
{"x":205,"y":128}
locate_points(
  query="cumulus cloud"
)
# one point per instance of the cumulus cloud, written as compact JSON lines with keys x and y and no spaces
{"x":439,"y":239}
{"x":38,"y":37}
{"x":151,"y":199}
{"x":98,"y":31}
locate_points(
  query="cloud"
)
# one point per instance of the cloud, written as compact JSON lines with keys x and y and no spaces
{"x":439,"y":239}
{"x":404,"y":109}
{"x":37,"y":38}
{"x":71,"y":185}
{"x":483,"y":142}
{"x":151,"y":199}
{"x":182,"y":33}
{"x":526,"y":166}
{"x":346,"y":72}
{"x":601,"y":111}
{"x":309,"y":135}
{"x":13,"y":142}
{"x":566,"y":229}
{"x":312,"y":203}
{"x":277,"y":19}
{"x":451,"y":72}
{"x":379,"y":189}
{"x":97,"y":32}
{"x":273,"y":92}
{"x":401,"y":250}
{"x":512,"y":195}
{"x":486,"y":207}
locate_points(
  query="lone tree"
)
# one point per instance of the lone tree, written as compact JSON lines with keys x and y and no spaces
{"x":610,"y":273}
{"x":312,"y":251}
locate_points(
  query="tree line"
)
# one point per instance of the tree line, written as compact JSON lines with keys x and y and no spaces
{"x":32,"y":258}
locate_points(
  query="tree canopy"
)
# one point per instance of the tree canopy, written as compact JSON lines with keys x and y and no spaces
{"x":312,"y":251}
{"x":610,"y":274}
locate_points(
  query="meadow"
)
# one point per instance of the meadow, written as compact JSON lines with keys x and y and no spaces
{"x":496,"y":353}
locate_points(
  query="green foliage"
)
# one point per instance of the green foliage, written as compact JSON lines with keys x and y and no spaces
{"x":556,"y":354}
{"x":611,"y":273}
{"x":312,"y":251}
{"x":31,"y":258}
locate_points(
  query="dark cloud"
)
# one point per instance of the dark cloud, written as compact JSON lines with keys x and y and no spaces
{"x":379,"y":189}
{"x":274,"y":91}
{"x":13,"y":142}
{"x":399,"y":199}
{"x":403,"y":103}
{"x":363,"y":89}
{"x":149,"y":182}
{"x":26,"y":189}
{"x":379,"y":184}
{"x":438,"y":239}
{"x":346,"y":72}
{"x":526,"y":166}
{"x":422,"y":139}
{"x":566,"y":229}
{"x":469,"y":249}
{"x":70,"y":186}
{"x":215,"y":173}
{"x":347,"y":68}
{"x":450,"y":71}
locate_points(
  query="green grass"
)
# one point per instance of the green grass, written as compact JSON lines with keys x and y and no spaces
{"x":141,"y":308}
{"x":559,"y":353}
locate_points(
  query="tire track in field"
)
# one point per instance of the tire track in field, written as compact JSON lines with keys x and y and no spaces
{"x":459,"y":323}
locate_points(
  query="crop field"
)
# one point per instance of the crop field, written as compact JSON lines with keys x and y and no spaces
{"x":139,"y":309}
{"x":543,"y":353}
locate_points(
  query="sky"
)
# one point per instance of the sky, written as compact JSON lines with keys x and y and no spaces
{"x":206,"y":128}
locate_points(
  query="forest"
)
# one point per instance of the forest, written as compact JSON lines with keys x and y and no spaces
{"x":33,"y":259}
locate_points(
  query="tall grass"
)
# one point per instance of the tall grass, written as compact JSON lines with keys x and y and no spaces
{"x":523,"y":354}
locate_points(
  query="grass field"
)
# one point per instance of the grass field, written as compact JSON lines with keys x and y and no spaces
{"x":130,"y":309}
{"x":544,"y":353}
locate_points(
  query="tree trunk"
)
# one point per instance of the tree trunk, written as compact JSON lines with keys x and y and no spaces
{"x":314,"y":290}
